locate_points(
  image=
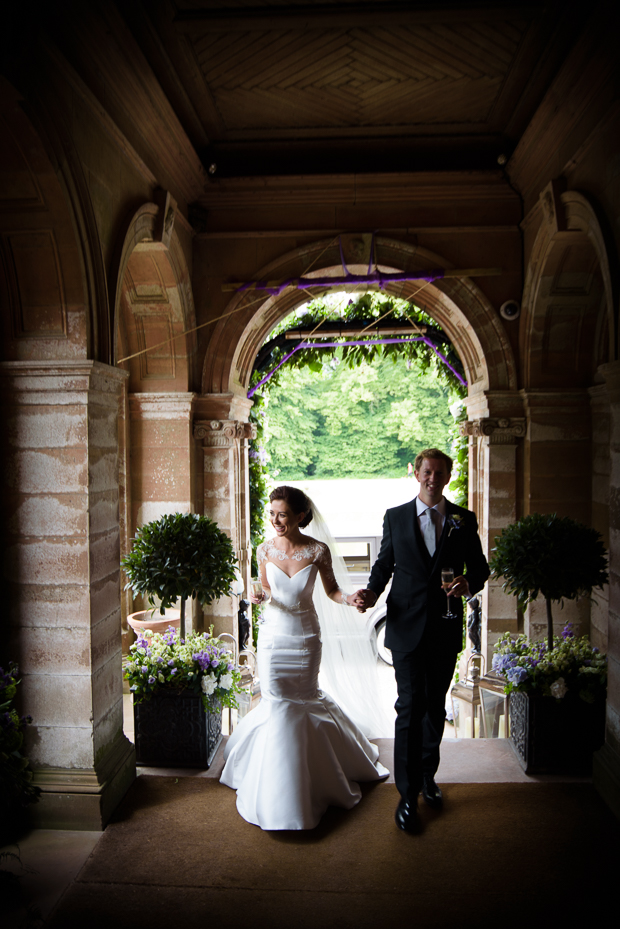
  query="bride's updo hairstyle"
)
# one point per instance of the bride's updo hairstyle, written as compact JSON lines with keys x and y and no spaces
{"x":297,"y":501}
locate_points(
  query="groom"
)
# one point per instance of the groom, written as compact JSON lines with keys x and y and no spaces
{"x":419,"y":539}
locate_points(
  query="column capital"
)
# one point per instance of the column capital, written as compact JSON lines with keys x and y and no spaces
{"x":222,"y":433}
{"x":501,"y":431}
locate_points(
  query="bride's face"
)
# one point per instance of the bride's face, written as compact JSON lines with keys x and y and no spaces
{"x":282,"y":518}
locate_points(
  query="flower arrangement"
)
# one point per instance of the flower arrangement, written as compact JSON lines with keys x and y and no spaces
{"x":198,"y":663}
{"x":15,"y":775}
{"x":573,"y":666}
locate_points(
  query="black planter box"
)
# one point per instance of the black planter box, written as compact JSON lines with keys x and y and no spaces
{"x":172,"y":730}
{"x":552,"y":736}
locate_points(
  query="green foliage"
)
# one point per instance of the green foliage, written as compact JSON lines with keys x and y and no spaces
{"x":368,"y":421}
{"x":259,"y":495}
{"x":16,"y":785}
{"x":180,"y":555}
{"x":460,"y":455}
{"x":548,"y":554}
{"x":198,"y":663}
{"x":340,"y":308}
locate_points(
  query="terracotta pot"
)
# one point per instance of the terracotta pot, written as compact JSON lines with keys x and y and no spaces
{"x":146,"y":619}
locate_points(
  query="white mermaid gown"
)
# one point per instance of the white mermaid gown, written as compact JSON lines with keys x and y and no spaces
{"x":297,"y":753}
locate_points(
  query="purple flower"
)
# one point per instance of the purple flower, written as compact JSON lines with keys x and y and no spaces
{"x":144,"y":669}
{"x":214,"y":663}
{"x":171,"y":662}
{"x":517,"y":675}
{"x":173,"y":671}
{"x":151,"y":679}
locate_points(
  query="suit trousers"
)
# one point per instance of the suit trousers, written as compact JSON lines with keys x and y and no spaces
{"x":423,"y":677}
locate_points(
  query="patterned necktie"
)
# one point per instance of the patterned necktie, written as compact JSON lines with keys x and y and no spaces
{"x":430,"y":531}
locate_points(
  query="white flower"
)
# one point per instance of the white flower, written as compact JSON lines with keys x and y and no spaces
{"x":160,"y":678}
{"x":558,"y":688}
{"x":208,"y":684}
{"x":226,"y":681}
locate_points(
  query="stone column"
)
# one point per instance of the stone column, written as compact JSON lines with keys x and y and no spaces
{"x":557,"y":449}
{"x":162,"y":467}
{"x":227,"y":500}
{"x":607,"y":760}
{"x":494,"y":444}
{"x":61,"y":575}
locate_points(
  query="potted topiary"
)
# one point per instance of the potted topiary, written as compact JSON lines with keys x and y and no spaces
{"x":179,"y":556}
{"x":557,"y":687}
{"x":179,"y":682}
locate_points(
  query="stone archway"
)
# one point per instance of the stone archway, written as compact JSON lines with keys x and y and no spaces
{"x":458,"y":305}
{"x":153,"y":310}
{"x":496,"y":425}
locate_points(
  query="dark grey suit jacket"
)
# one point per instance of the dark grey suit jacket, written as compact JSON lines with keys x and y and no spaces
{"x":416,"y":601}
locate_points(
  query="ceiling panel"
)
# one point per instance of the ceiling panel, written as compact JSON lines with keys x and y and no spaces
{"x":318,"y":79}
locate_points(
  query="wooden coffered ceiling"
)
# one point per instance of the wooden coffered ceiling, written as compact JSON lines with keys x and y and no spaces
{"x":318,"y":86}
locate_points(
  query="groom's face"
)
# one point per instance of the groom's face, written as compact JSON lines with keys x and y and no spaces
{"x":433,"y":477}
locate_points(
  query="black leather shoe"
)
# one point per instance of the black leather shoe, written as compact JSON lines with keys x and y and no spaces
{"x":407,"y":817}
{"x":431,"y":792}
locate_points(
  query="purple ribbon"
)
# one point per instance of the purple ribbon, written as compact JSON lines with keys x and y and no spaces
{"x":426,"y":341}
{"x":302,"y":283}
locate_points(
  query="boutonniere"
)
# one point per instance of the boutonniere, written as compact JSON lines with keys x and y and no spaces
{"x":455,"y":521}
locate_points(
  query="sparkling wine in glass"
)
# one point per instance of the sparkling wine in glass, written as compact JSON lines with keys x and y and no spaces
{"x":447,"y":576}
{"x":256,"y":587}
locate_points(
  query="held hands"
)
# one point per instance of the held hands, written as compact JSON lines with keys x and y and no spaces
{"x":458,"y":588}
{"x":363,"y":600}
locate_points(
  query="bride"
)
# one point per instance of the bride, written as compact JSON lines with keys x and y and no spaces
{"x":298,"y":752}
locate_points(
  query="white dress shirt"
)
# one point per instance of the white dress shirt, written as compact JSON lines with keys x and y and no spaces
{"x":424,"y":518}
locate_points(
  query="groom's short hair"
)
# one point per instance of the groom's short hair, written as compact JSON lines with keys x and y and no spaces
{"x":432,"y":453}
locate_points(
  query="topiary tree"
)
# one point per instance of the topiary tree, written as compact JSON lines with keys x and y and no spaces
{"x":178,"y":556}
{"x":552,"y":555}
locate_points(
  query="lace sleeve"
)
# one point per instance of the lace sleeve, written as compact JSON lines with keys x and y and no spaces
{"x":261,"y":554}
{"x":324,"y":560}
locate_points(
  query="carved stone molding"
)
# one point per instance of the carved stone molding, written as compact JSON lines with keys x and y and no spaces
{"x":217,"y":433}
{"x":502,"y":431}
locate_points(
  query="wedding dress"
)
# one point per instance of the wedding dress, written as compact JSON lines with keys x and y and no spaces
{"x":297,"y":753}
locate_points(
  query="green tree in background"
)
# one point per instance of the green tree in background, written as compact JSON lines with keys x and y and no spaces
{"x":367,"y":421}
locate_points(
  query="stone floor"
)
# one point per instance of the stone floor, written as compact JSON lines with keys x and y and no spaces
{"x":50,"y":859}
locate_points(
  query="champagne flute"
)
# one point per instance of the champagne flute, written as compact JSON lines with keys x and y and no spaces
{"x":256,"y":587}
{"x":447,"y":577}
